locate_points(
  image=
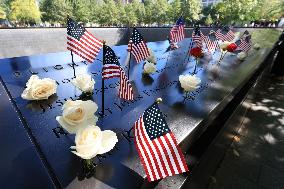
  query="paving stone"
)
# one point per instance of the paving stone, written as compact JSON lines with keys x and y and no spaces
{"x":271,"y":178}
{"x":256,"y":159}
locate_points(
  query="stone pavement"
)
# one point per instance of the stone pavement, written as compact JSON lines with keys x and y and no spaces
{"x":256,"y":156}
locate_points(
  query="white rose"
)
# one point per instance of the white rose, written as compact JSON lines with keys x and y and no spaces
{"x":91,"y":141}
{"x":149,"y":68}
{"x":256,"y":46}
{"x":189,"y":82}
{"x":152,"y":58}
{"x":242,"y":55}
{"x":39,"y":89}
{"x":84,"y":82}
{"x":224,"y":45}
{"x":77,"y":114}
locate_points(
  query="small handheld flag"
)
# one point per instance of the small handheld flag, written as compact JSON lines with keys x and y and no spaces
{"x":82,"y":42}
{"x":177,"y":32}
{"x":157,"y":146}
{"x":196,"y":37}
{"x":137,"y":46}
{"x":112,"y":69}
{"x":245,"y":44}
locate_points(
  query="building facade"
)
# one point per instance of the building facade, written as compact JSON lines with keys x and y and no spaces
{"x":209,"y":2}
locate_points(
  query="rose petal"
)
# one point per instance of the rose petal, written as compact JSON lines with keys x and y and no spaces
{"x":109,"y":139}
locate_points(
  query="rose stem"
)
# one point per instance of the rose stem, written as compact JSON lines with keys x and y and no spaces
{"x":194,"y":72}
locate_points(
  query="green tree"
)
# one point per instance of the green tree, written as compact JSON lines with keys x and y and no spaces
{"x":174,"y":10}
{"x":150,"y":10}
{"x":24,"y":11}
{"x":208,"y":20}
{"x":2,"y":13}
{"x":269,"y":9}
{"x":131,"y":16}
{"x":55,"y":10}
{"x":81,"y":10}
{"x":161,"y":11}
{"x":139,"y":10}
{"x":236,"y":11}
{"x":191,"y":10}
{"x":122,"y":20}
{"x":108,"y":13}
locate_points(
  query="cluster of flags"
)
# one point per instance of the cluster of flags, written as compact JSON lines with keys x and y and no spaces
{"x":154,"y":141}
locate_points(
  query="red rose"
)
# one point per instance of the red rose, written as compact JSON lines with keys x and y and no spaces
{"x":196,"y":52}
{"x":232,"y":47}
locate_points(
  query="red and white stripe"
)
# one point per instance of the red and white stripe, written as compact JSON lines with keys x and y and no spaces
{"x":140,"y":51}
{"x":160,"y":157}
{"x":88,"y":47}
{"x":110,"y":71}
{"x":177,"y":33}
{"x":197,"y":39}
{"x":125,"y":88}
{"x":211,"y":45}
{"x":230,"y":36}
{"x":244,"y":46}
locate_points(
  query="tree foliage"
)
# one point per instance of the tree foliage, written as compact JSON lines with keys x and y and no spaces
{"x":24,"y":11}
{"x":157,"y":12}
{"x":191,"y":10}
{"x":55,"y":10}
{"x":2,"y":13}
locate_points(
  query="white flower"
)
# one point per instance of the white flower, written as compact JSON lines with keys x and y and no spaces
{"x":91,"y":141}
{"x":242,"y":55}
{"x":224,"y":45}
{"x":152,"y":58}
{"x":39,"y":89}
{"x":84,"y":82}
{"x":149,"y":68}
{"x":77,"y":114}
{"x":256,"y":46}
{"x":189,"y":82}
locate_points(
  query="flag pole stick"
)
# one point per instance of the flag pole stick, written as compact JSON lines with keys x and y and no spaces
{"x":73,"y":64}
{"x":129,"y":62}
{"x":168,"y":52}
{"x":103,"y":81}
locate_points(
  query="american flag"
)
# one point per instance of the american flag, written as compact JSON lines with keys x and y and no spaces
{"x":210,"y":42}
{"x":177,"y":32}
{"x":157,"y":146}
{"x":244,"y":44}
{"x":197,"y":38}
{"x":112,"y":69}
{"x":229,"y":36}
{"x":82,"y":42}
{"x":137,"y":46}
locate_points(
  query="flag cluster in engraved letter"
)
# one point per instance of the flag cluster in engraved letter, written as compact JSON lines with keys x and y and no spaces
{"x":157,"y":146}
{"x":112,"y":69}
{"x":177,"y":32}
{"x":197,"y":38}
{"x":245,"y":43}
{"x":82,"y":42}
{"x":137,"y":46}
{"x":210,"y":41}
{"x":228,"y":36}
